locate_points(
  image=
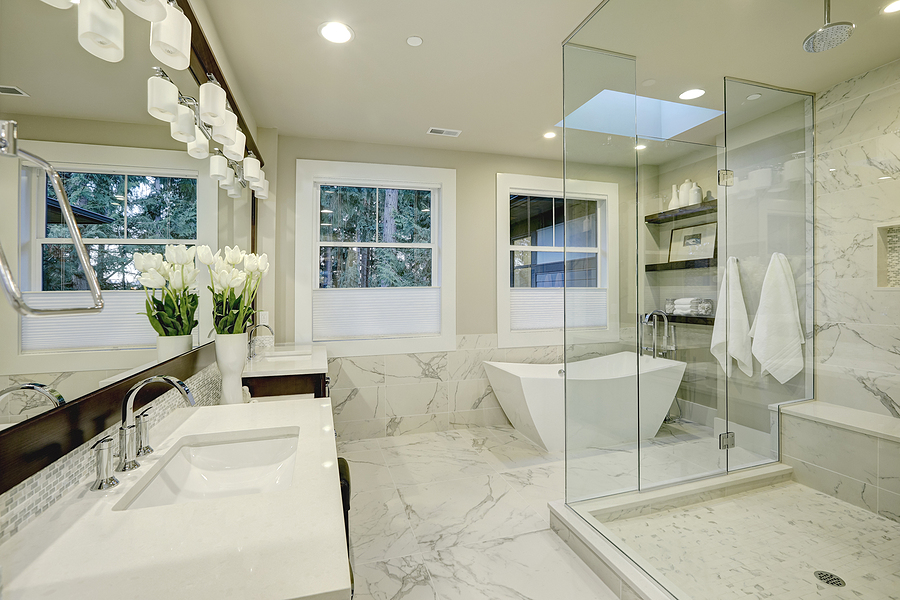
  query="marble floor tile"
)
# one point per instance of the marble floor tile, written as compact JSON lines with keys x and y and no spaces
{"x":532,"y":566}
{"x":539,"y":485}
{"x":379,"y":529}
{"x":357,"y":446}
{"x":441,"y":460}
{"x":511,"y":450}
{"x":368,"y":471}
{"x":465,"y":511}
{"x":404,"y":578}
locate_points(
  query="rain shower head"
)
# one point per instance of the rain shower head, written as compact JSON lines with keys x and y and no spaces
{"x":830,"y":35}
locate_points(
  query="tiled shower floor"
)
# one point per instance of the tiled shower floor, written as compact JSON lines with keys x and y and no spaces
{"x":767,"y":543}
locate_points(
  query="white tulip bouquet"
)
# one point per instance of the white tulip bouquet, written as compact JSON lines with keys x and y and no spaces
{"x":175,"y":276}
{"x":233,"y":288}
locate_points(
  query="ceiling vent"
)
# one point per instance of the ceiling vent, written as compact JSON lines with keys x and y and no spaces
{"x":11,"y":90}
{"x":444,"y":132}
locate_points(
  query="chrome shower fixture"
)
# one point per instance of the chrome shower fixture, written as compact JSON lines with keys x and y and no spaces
{"x":830,"y":35}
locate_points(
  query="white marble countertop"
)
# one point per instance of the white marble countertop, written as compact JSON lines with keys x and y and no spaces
{"x":288,"y":360}
{"x":279,"y":545}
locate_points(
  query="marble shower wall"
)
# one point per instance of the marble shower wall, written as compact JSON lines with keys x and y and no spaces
{"x":397,"y":394}
{"x":857,"y":187}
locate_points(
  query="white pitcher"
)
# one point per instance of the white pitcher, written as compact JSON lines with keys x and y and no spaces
{"x":684,"y":195}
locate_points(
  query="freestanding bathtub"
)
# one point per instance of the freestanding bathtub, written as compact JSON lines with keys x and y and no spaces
{"x":602,"y":407}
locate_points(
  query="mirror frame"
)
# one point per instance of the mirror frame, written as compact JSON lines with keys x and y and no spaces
{"x":34,"y":444}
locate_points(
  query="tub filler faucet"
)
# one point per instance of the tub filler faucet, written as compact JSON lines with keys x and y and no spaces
{"x":652,"y":318}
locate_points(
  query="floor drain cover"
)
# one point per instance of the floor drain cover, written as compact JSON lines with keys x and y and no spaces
{"x":829,"y":578}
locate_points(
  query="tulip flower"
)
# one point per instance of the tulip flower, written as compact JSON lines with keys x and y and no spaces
{"x":234,"y":256}
{"x":152,"y":279}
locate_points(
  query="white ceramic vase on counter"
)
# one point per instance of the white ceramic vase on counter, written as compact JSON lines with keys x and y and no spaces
{"x":231,"y":355}
{"x":170,"y":346}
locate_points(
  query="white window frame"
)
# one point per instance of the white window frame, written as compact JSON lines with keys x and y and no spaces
{"x":105,"y":159}
{"x":511,"y":183}
{"x":311,"y":174}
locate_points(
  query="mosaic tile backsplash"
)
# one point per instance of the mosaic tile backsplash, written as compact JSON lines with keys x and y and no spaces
{"x":33,"y":496}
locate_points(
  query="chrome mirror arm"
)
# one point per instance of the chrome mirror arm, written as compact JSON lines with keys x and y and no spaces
{"x":9,"y":147}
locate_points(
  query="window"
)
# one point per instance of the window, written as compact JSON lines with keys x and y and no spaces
{"x":125,"y":200}
{"x":379,"y":261}
{"x":547,"y":240}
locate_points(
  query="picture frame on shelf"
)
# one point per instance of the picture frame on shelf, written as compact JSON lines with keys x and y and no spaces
{"x":693,"y":243}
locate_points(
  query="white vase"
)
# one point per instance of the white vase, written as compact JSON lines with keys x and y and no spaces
{"x":231,"y":355}
{"x":170,"y":346}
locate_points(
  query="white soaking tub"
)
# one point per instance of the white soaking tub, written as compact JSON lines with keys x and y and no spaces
{"x":602,"y":408}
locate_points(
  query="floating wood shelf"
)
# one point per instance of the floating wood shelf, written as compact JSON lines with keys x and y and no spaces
{"x":692,"y":319}
{"x":700,"y":263}
{"x":684,"y":212}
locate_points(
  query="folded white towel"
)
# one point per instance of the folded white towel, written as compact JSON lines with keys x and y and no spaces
{"x":680,"y":301}
{"x":731,"y":332}
{"x":777,"y":334}
{"x":683,"y":311}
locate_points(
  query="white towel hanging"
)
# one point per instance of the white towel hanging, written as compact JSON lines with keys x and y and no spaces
{"x":777,"y":333}
{"x":731,"y":332}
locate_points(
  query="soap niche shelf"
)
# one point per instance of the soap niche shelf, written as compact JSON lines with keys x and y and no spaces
{"x":887,"y":256}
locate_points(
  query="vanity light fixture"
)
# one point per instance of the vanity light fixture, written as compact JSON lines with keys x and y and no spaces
{"x":218,"y":167}
{"x":691,"y":94}
{"x":199,"y":148}
{"x":259,"y":184}
{"x":101,"y":30}
{"x":236,"y":150}
{"x":149,"y":10}
{"x":228,"y":182}
{"x":890,"y":8}
{"x":212,"y":102}
{"x":225,"y":133}
{"x":414,"y":41}
{"x":162,"y":97}
{"x":235,"y":192}
{"x":263,"y":194}
{"x":251,"y":168}
{"x":550,"y":135}
{"x":170,"y":38}
{"x":184,"y":128}
{"x":336,"y":32}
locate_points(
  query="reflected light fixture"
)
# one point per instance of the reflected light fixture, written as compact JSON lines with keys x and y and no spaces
{"x":236,"y":191}
{"x":228,"y":182}
{"x":236,"y":150}
{"x":224,"y":133}
{"x":550,"y":135}
{"x":199,"y":148}
{"x":170,"y":39}
{"x":263,"y":194}
{"x":162,"y":97}
{"x":149,"y":10}
{"x":259,"y":184}
{"x":101,"y":30}
{"x":890,"y":8}
{"x":691,"y":94}
{"x":754,"y":96}
{"x":218,"y":167}
{"x":212,"y":103}
{"x":251,"y":168}
{"x":184,"y":128}
{"x":640,"y":147}
{"x":414,"y":41}
{"x":336,"y":32}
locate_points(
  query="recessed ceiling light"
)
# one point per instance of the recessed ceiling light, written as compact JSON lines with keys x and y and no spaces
{"x":885,"y":177}
{"x":692,"y":94}
{"x":414,"y":41}
{"x":648,"y":82}
{"x":892,"y":7}
{"x":335,"y":32}
{"x":550,"y":135}
{"x":832,"y":170}
{"x":640,"y":147}
{"x":754,"y":96}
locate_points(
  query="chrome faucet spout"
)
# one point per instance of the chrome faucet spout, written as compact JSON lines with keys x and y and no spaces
{"x":46,"y":392}
{"x":250,"y":354}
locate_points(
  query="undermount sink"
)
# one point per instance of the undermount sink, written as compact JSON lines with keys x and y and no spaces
{"x":218,"y":465}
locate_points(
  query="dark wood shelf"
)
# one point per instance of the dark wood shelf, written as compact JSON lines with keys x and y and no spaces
{"x":685,"y":212}
{"x":692,"y":319}
{"x":700,"y":263}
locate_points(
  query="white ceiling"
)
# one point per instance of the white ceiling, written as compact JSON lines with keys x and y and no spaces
{"x":492,"y":68}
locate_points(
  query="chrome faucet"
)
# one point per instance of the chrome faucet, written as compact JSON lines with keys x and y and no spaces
{"x":46,"y":392}
{"x":128,"y":443}
{"x":250,"y":354}
{"x":652,"y":316}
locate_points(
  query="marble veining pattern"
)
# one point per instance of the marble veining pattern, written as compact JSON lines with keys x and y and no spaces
{"x":439,"y":516}
{"x":766,"y":543}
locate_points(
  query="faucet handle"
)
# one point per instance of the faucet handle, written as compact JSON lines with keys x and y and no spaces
{"x":105,"y":478}
{"x":142,"y":424}
{"x":127,"y":449}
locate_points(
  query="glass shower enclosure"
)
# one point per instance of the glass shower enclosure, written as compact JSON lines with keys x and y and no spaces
{"x":714,"y":282}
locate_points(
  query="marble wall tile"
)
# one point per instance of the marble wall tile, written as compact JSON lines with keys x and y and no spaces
{"x":466,"y":419}
{"x":854,"y":300}
{"x":417,"y":399}
{"x":360,"y":430}
{"x":859,"y":119}
{"x":356,"y":404}
{"x":855,"y":210}
{"x":859,"y":346}
{"x":889,"y":505}
{"x":356,"y":371}
{"x":472,"y":394}
{"x":417,"y":424}
{"x":861,"y":85}
{"x":845,"y":256}
{"x":833,"y":448}
{"x":472,"y":341}
{"x":495,"y":417}
{"x":871,"y":391}
{"x":402,"y":369}
{"x":859,"y":165}
{"x":840,"y":486}
{"x":467,"y":364}
{"x":889,"y":465}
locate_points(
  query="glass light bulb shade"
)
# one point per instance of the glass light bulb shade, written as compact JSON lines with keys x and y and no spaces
{"x":170,"y":39}
{"x":251,"y":169}
{"x":212,"y":104}
{"x":101,"y":30}
{"x":183,"y":127}
{"x":263,"y":194}
{"x":224,"y":133}
{"x":236,"y":192}
{"x":218,"y":167}
{"x":235,"y":151}
{"x":150,"y":10}
{"x":199,"y":148}
{"x":227,"y":183}
{"x":162,"y":99}
{"x":64,"y":4}
{"x":258,"y":185}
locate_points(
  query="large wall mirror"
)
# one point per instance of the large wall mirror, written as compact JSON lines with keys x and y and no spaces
{"x":132,"y":186}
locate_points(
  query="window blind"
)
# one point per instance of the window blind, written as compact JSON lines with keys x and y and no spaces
{"x":542,"y":308}
{"x":376,"y":312}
